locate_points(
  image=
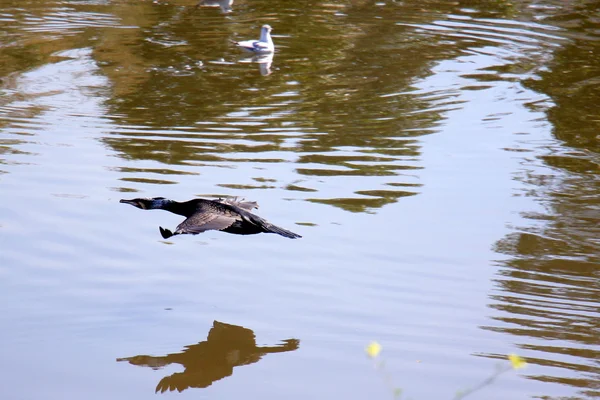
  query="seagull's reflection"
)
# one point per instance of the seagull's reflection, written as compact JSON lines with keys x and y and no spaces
{"x":227,"y":346}
{"x":224,"y":4}
{"x":264,"y":62}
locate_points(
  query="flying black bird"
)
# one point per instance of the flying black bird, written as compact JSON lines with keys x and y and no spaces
{"x":227,"y":215}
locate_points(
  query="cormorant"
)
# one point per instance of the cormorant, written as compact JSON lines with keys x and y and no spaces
{"x":227,"y":215}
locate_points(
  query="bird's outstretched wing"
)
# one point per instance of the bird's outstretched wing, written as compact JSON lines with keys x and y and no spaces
{"x":266,"y":226}
{"x":206,"y":221}
{"x":270,"y":228}
{"x":178,"y":381}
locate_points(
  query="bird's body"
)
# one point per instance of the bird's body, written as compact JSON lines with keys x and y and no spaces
{"x":227,"y":215}
{"x":264,"y":45}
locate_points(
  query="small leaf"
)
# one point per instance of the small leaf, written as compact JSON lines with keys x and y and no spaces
{"x":397,"y":392}
{"x":516,"y":361}
{"x":373,"y":349}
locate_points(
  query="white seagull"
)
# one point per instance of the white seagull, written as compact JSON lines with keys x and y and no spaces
{"x":264,"y":45}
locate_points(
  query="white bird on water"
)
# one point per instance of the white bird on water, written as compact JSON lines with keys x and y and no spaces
{"x":264,"y":45}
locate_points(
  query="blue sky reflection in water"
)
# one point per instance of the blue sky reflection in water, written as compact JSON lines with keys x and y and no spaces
{"x":440,"y":161}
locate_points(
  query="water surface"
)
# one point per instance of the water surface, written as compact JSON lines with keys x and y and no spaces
{"x":440,"y":161}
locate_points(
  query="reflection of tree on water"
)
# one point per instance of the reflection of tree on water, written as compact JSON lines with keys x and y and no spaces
{"x":346,"y":110}
{"x":226,"y":347}
{"x":549,"y":302}
{"x":547,"y":295}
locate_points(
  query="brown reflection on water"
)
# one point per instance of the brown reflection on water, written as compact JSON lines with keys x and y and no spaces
{"x":35,"y":31}
{"x":572,"y":81}
{"x":346,"y":110}
{"x":226,"y":347}
{"x":548,"y":293}
{"x":180,"y":97}
{"x":551,"y":306}
{"x":371,"y":201}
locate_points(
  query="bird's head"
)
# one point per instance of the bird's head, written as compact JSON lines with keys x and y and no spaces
{"x":267,"y":28}
{"x":148,"y":203}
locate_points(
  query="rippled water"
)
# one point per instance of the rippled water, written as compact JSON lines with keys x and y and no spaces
{"x":440,"y":161}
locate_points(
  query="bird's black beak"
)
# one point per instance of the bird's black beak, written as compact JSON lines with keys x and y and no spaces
{"x":133,"y":202}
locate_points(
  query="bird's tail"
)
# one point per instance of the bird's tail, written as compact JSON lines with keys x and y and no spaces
{"x":234,"y":42}
{"x":280,"y":231}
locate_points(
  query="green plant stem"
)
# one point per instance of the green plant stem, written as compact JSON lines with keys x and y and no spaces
{"x":483,"y":384}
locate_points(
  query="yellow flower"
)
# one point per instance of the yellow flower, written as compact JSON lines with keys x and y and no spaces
{"x":516,"y":361}
{"x":373,"y":349}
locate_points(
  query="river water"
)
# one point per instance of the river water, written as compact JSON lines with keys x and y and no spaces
{"x":440,"y":159}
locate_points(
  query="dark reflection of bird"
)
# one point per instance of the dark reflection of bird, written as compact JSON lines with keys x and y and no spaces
{"x":226,"y":347}
{"x":227,"y":215}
